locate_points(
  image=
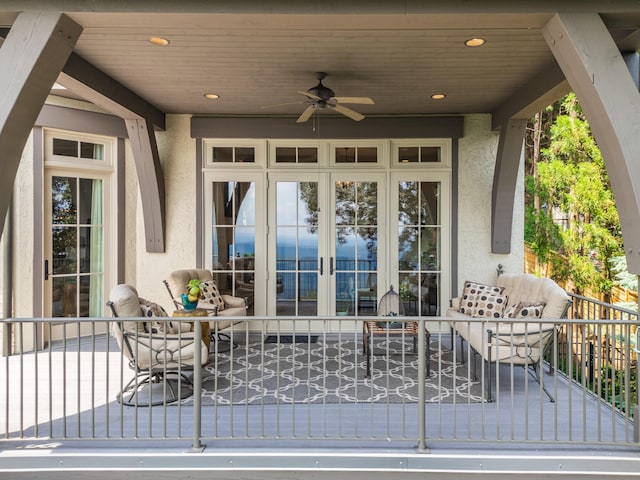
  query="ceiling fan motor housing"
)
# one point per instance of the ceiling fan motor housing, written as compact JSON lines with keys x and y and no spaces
{"x":322,"y":92}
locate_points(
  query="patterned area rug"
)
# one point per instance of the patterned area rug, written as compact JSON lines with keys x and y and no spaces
{"x":331,"y":372}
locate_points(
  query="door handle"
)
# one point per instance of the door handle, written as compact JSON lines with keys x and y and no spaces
{"x":321,"y":265}
{"x":330,"y":265}
{"x":46,"y":269}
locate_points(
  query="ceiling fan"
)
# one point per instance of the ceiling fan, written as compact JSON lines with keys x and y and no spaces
{"x":320,"y":97}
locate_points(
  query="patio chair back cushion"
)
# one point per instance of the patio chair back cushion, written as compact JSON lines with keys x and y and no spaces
{"x":178,"y":279}
{"x":127,"y":304}
{"x":529,"y":288}
{"x":177,"y":282}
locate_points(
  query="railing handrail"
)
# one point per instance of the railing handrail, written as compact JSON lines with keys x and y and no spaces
{"x":603,"y":304}
{"x":349,"y":327}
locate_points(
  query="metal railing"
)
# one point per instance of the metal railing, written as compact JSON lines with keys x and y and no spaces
{"x":305,"y":380}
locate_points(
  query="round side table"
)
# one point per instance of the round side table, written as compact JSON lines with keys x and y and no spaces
{"x":198,"y":312}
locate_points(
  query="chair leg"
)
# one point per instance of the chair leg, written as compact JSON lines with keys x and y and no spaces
{"x":155,"y":389}
{"x":222,"y":342}
{"x":367,"y":351}
{"x":537,"y":374}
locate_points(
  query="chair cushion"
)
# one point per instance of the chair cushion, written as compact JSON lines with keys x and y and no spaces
{"x":529,"y":288}
{"x":126,"y":304}
{"x":210,"y":295}
{"x":178,"y":279}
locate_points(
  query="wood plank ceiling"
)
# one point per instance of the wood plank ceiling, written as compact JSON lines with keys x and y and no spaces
{"x":254,"y":61}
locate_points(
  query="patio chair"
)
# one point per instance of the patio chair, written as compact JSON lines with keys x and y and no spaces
{"x":159,"y":352}
{"x":393,"y":327}
{"x":220,"y":305}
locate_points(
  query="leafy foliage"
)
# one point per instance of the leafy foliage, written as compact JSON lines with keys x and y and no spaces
{"x":573,"y":210}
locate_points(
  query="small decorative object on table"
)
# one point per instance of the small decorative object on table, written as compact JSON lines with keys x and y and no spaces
{"x":390,"y":324}
{"x":190,"y":299}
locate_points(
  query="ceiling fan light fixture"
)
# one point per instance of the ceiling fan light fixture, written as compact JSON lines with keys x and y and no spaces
{"x":211,"y":96}
{"x":160,"y":41}
{"x":475,"y":42}
{"x":438,"y":96}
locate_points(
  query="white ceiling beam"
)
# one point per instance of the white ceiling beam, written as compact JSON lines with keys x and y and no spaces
{"x":31,"y":58}
{"x":598,"y":75}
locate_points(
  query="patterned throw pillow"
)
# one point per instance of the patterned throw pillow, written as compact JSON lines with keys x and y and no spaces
{"x":525,"y":310}
{"x":490,"y":305}
{"x":211,"y":295}
{"x":470,"y":294}
{"x":150,"y":309}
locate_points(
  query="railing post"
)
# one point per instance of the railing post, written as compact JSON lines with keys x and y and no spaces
{"x":197,"y":389}
{"x":422,"y":380}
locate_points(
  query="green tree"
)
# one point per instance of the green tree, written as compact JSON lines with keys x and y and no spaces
{"x":571,"y":182}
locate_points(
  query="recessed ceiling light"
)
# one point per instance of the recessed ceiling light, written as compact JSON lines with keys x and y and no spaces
{"x":475,"y":42}
{"x":211,"y":96}
{"x":161,"y":41}
{"x":438,"y":96}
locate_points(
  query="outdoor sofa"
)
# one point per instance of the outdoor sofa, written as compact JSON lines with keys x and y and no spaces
{"x":498,"y":337}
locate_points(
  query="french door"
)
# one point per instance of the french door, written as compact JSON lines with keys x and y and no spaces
{"x":234,"y":232}
{"x":326,"y":243}
{"x":75,"y":244}
{"x":420,"y":240}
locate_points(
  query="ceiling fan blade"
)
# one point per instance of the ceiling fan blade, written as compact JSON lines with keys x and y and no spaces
{"x":310,"y":95}
{"x":347,"y":112}
{"x":283,"y":104}
{"x":358,"y":100}
{"x":306,"y":115}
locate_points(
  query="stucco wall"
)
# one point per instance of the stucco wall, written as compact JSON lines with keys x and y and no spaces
{"x":177,"y":156}
{"x":23,"y":237}
{"x":477,"y":159}
{"x":477,"y":153}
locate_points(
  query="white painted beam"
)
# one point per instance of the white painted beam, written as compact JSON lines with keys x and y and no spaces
{"x":150,"y":181}
{"x":598,"y":75}
{"x":504,"y":184}
{"x":31,"y":58}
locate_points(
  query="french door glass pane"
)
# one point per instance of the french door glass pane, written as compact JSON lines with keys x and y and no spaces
{"x":297,"y":245}
{"x":356,"y":247}
{"x":419,"y":249}
{"x":234,"y":239}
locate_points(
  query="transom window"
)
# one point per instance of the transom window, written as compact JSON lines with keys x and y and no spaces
{"x":356,"y":155}
{"x":296,"y":155}
{"x":419,"y":154}
{"x":233,"y":155}
{"x":74,"y":148}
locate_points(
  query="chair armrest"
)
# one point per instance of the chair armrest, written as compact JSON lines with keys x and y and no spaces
{"x":455,"y":303}
{"x":230,"y":301}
